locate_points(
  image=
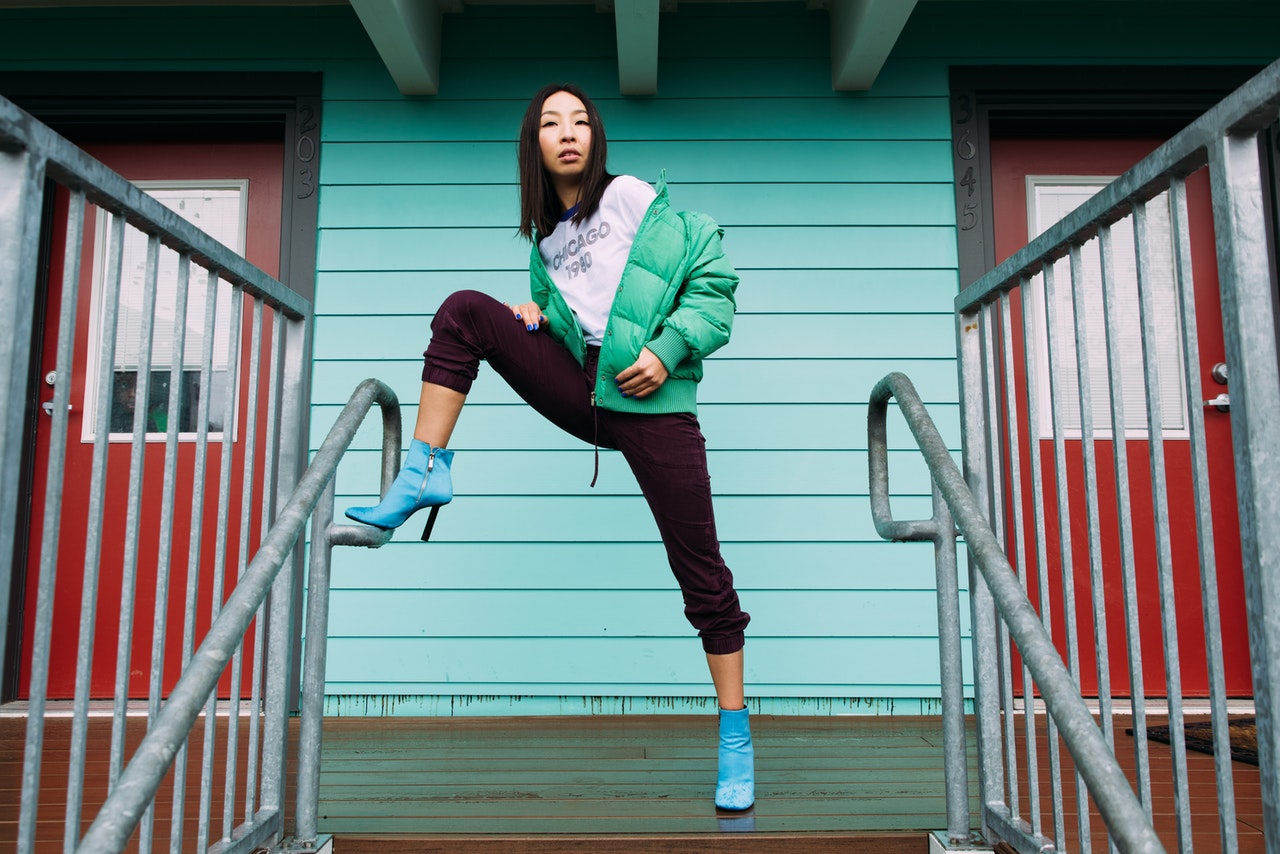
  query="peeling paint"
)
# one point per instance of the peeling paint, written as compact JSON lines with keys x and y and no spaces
{"x":481,"y":705}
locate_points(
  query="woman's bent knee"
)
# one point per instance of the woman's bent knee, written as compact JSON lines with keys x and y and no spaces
{"x":464,"y":302}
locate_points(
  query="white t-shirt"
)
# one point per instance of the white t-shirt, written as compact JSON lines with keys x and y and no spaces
{"x":586,"y":260}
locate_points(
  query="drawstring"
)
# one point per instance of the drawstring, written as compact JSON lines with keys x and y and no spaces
{"x":592,"y":365}
{"x":595,"y":438}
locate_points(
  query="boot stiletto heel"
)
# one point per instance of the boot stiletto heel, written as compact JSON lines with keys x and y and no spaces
{"x":425,"y":481}
{"x":431,"y":523}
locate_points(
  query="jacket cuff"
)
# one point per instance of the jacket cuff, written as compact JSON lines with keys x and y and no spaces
{"x":670,"y":348}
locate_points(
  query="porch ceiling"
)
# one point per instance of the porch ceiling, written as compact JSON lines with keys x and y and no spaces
{"x":407,"y":34}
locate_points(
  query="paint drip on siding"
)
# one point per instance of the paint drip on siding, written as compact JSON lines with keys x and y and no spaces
{"x":480,"y":705}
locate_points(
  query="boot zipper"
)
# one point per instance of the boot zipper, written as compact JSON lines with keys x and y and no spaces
{"x":431,"y":462}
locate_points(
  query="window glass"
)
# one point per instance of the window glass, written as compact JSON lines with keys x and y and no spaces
{"x":1049,"y":199}
{"x":219,"y":209}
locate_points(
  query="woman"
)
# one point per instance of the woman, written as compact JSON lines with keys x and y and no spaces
{"x":628,"y":298}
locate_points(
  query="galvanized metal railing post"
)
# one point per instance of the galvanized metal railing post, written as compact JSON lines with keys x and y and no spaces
{"x":1020,"y":552}
{"x":57,"y":466}
{"x":1124,"y":519}
{"x":199,"y":478}
{"x":279,"y":695}
{"x":133,"y":518}
{"x":1245,"y":276}
{"x":940,"y":530}
{"x":986,"y":689}
{"x":951,"y":670}
{"x":266,"y":514}
{"x":324,"y":536}
{"x":1211,"y":617}
{"x":168,"y":504}
{"x":275,"y":732}
{"x":257,"y":701}
{"x":93,"y":542}
{"x":995,"y":453}
{"x":1160,"y":508}
{"x":21,"y":198}
{"x":312,"y":712}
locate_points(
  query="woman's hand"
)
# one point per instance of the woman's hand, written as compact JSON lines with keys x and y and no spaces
{"x":529,"y":314}
{"x":644,"y":377}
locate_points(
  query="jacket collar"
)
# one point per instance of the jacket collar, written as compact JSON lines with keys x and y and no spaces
{"x":662,"y":199}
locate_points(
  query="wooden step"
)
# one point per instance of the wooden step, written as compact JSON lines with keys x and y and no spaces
{"x":727,"y":843}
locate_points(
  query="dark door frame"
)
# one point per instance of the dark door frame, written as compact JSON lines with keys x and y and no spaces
{"x":1063,"y":102}
{"x":98,"y":106}
{"x":191,"y":107}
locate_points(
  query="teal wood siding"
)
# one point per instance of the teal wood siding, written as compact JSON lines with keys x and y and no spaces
{"x":538,"y":594}
{"x":839,"y":217}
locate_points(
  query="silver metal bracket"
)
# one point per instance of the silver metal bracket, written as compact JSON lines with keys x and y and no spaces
{"x":322,"y":844}
{"x":940,"y":843}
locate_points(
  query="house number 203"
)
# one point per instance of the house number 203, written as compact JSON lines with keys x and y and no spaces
{"x":304,"y":149}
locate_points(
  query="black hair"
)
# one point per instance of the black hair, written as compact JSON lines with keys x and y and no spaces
{"x":540,"y":206}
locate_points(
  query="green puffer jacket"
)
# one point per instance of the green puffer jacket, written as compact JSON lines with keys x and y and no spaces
{"x":675,"y":297}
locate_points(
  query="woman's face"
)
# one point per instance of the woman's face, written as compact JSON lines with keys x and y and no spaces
{"x":565,"y":138}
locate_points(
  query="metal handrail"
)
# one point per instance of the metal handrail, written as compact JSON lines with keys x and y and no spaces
{"x":313,"y":494}
{"x":1025,"y":299}
{"x":1116,"y":800}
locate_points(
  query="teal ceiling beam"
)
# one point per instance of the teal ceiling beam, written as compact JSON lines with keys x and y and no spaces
{"x":406,"y":34}
{"x":862,"y":34}
{"x":636,"y":22}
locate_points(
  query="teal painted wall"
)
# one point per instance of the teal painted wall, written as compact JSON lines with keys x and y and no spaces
{"x":538,"y":594}
{"x":838,"y":215}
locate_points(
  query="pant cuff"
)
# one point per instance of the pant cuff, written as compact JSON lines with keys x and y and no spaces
{"x":440,"y":376}
{"x":724,"y":645}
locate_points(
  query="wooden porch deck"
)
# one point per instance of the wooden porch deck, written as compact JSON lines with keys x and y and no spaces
{"x":623,"y":783}
{"x":629,"y":783}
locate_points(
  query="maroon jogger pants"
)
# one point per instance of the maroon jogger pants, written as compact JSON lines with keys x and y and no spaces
{"x":666,"y":452}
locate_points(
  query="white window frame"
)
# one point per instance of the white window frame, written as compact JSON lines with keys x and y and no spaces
{"x":1172,"y":383}
{"x":137,"y":253}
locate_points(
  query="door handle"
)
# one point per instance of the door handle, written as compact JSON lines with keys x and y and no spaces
{"x":1222,"y":402}
{"x":47,"y":406}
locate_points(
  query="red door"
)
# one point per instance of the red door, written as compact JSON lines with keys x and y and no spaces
{"x":1019,"y":169}
{"x":239,"y":185}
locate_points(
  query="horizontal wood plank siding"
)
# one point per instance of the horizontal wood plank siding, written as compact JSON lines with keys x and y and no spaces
{"x":481,"y":162}
{"x":839,"y":217}
{"x":540,"y":595}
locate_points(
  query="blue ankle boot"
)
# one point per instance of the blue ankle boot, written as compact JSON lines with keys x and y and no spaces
{"x":423,"y":482}
{"x":736,"y":783}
